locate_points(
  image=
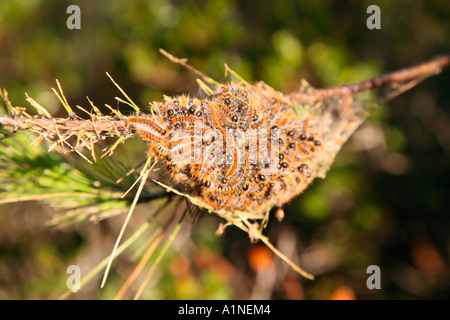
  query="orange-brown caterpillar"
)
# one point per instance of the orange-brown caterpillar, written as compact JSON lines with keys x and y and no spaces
{"x":241,"y":149}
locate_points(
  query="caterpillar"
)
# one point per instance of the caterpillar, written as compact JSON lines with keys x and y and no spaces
{"x":237,"y":150}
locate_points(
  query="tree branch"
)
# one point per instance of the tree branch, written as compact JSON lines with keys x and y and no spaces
{"x":417,"y":72}
{"x":62,"y":125}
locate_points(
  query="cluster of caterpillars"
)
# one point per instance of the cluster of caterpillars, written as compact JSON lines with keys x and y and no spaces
{"x":242,"y":148}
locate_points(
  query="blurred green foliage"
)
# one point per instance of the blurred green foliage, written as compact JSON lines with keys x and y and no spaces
{"x":384,"y":202}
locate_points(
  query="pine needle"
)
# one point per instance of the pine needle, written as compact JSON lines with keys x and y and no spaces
{"x":145,"y":173}
{"x":104,"y":262}
{"x":131,"y":103}
{"x":160,"y":256}
{"x":148,"y":253}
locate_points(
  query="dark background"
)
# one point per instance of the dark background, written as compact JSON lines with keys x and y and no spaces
{"x":384,"y":202}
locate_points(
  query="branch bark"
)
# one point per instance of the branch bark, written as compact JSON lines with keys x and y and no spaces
{"x":417,"y":72}
{"x":63,"y":124}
